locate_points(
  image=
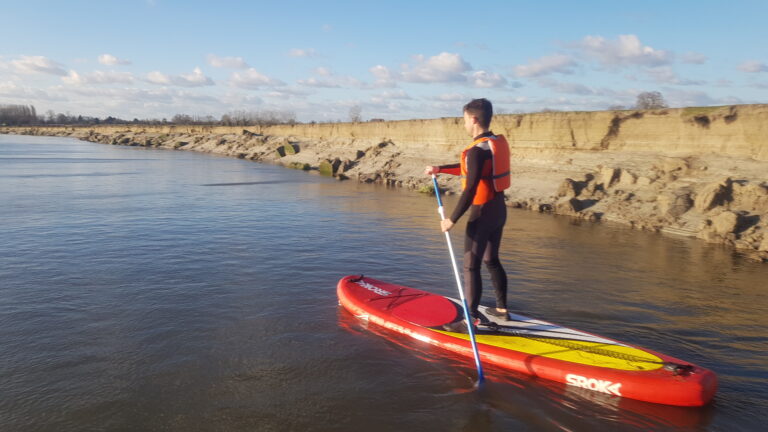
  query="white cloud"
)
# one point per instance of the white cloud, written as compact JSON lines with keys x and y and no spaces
{"x":625,"y":51}
{"x":227,"y":62}
{"x":512,"y":100}
{"x":7,"y":87}
{"x":665,"y":75}
{"x":395,"y":94}
{"x":110,"y":60}
{"x":681,"y":98}
{"x":483,"y":79}
{"x":284,"y":93}
{"x":452,"y":97}
{"x":323,"y":83}
{"x":387,"y":96}
{"x":156,"y":77}
{"x":195,"y":79}
{"x":565,"y":87}
{"x":384,"y":77}
{"x":25,"y":95}
{"x":165,"y":100}
{"x":164,"y":96}
{"x":296,"y":52}
{"x":556,"y":63}
{"x":329,"y":80}
{"x":240,"y":100}
{"x":253,"y":79}
{"x":445,"y":67}
{"x":442,"y":68}
{"x":694,"y":58}
{"x":37,"y":64}
{"x":753,"y":66}
{"x":723,"y":82}
{"x":98,"y":77}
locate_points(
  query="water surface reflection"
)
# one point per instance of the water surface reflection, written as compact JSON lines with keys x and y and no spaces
{"x":146,"y":299}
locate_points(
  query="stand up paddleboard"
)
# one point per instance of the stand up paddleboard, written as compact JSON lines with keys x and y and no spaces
{"x":531,"y":346}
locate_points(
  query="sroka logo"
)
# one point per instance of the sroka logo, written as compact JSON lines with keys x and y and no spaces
{"x":374,"y":288}
{"x":594,"y":384}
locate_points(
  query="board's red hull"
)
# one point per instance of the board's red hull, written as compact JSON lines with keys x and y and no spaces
{"x":419,"y":314}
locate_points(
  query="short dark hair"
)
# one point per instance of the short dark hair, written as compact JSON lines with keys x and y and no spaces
{"x":482,"y":109}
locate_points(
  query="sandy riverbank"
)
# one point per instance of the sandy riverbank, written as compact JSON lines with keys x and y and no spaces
{"x":699,"y":172}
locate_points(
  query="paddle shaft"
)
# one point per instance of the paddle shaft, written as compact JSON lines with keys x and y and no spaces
{"x":470,"y":325}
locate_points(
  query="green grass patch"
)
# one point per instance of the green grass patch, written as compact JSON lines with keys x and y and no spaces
{"x":427,"y":189}
{"x":326,"y":168}
{"x":699,"y":111}
{"x":299,"y":166}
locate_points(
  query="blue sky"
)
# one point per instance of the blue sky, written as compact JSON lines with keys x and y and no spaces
{"x":394,"y":59}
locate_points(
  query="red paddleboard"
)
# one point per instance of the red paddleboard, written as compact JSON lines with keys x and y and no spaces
{"x":531,"y":346}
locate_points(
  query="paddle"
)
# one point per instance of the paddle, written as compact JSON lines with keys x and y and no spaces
{"x":470,"y":327}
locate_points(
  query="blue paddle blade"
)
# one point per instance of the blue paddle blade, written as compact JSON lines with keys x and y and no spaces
{"x":437,"y":191}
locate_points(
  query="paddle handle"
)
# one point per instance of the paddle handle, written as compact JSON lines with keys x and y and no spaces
{"x":464,"y":305}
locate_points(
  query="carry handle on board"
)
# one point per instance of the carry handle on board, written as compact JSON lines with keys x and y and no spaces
{"x":470,"y":325}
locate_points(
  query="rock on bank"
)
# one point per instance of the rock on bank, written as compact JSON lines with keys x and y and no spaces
{"x":697,"y":172}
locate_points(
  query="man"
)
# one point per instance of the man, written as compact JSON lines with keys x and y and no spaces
{"x":484,"y":167}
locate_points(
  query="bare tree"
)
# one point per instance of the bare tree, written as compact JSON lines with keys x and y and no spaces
{"x":182,"y":119}
{"x":355,"y":114}
{"x":262,"y":118}
{"x":17,"y":114}
{"x":651,"y":100}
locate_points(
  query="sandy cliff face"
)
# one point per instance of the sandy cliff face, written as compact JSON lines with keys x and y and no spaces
{"x":734,"y":130}
{"x":694,"y":171}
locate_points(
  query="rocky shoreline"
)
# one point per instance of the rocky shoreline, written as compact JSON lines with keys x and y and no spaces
{"x":714,"y":196}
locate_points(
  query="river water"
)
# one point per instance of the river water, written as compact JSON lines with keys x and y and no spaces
{"x":160,"y":290}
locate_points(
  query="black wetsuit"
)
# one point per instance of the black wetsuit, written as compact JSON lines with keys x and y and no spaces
{"x":484,"y":230}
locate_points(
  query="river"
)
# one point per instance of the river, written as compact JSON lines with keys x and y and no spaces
{"x":168,"y":290}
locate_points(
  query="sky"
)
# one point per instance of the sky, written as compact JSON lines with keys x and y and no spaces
{"x":394,"y":60}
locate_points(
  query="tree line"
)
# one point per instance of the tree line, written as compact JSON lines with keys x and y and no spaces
{"x":26,"y":115}
{"x":18,"y":115}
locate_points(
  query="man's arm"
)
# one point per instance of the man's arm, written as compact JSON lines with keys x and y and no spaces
{"x":453,"y":169}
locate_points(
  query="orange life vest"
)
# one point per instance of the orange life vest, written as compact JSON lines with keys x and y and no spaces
{"x":494,"y":176}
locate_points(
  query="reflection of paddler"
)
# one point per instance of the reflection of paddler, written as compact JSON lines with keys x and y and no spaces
{"x":484,"y":168}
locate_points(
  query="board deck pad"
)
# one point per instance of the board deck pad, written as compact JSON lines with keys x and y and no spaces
{"x":545,"y":339}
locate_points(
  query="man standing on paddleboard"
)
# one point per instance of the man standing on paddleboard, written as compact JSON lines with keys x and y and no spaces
{"x":484,"y":168}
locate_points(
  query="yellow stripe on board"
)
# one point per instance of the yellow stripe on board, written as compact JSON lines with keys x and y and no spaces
{"x":570,"y":350}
